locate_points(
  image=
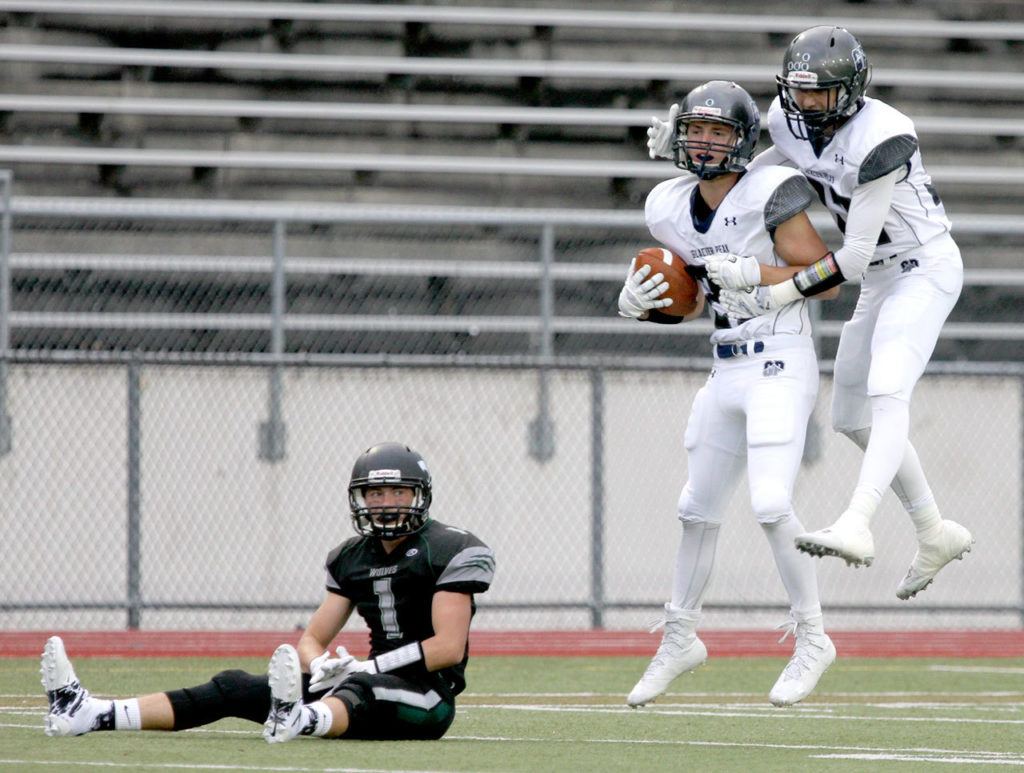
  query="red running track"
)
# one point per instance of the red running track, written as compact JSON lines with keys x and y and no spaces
{"x":868,"y":644}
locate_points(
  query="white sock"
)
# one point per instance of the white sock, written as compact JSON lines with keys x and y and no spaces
{"x":863,"y":505}
{"x":887,"y":447}
{"x":911,"y":486}
{"x":927,"y":520}
{"x":127,"y":715}
{"x":319,"y":719}
{"x":795,"y":568}
{"x":695,"y":559}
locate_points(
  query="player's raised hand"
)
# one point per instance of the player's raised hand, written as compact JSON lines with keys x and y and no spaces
{"x":640,"y":294}
{"x":661,"y":134}
{"x":744,"y":304}
{"x":733,"y":272}
{"x":327,"y":672}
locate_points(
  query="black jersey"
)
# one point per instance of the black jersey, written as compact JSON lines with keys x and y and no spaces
{"x":393,"y":591}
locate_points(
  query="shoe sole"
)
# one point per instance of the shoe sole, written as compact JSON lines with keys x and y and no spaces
{"x":820,"y":551}
{"x":55,"y":666}
{"x":285,"y":675}
{"x":285,"y":678}
{"x":909,"y":594}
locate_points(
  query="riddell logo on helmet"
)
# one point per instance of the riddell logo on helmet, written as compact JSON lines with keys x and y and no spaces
{"x":707,"y":110}
{"x":384,"y":475}
{"x":803,"y":78}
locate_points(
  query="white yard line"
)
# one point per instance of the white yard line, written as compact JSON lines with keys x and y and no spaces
{"x":958,"y":760}
{"x":730,"y":711}
{"x":197,"y":766}
{"x":978,"y":669}
{"x":838,"y":752}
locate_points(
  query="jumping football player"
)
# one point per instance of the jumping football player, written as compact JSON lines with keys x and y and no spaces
{"x":756,"y":403}
{"x":862,"y":157}
{"x":411,"y":578}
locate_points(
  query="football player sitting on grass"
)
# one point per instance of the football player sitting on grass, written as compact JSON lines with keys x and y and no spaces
{"x":411,"y":578}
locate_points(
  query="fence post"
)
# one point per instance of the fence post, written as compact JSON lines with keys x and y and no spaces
{"x":597,"y":498}
{"x":542,"y":428}
{"x":134,"y":496}
{"x":272,"y":431}
{"x":6,"y":426}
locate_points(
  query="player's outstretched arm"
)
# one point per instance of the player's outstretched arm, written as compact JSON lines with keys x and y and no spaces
{"x":869,"y":205}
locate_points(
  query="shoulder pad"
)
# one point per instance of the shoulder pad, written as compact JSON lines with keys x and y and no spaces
{"x":885,"y":157}
{"x":337,"y":551}
{"x":471,"y":570}
{"x":793,"y":195}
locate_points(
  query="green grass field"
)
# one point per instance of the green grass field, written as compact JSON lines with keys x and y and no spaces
{"x":568,"y":714}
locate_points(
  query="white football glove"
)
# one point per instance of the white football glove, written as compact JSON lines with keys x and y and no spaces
{"x":661,"y":134}
{"x":744,"y":304}
{"x":327,"y":672}
{"x":733,"y":272}
{"x":640,"y":294}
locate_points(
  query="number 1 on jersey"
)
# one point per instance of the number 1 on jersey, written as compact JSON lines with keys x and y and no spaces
{"x":386,"y":604}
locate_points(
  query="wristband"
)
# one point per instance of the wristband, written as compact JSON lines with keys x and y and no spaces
{"x":399,"y":658}
{"x":821,"y":275}
{"x":784,"y":293}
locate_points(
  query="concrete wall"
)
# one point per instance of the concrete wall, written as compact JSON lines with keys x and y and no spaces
{"x":219,"y":525}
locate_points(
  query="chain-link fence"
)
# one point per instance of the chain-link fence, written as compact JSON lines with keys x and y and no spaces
{"x":187,"y":383}
{"x":136,"y":493}
{"x":208,"y":276}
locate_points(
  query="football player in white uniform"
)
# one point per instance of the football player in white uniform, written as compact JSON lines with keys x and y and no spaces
{"x":862,"y":157}
{"x":756,"y":403}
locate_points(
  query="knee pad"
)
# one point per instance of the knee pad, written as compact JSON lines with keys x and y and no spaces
{"x":356,"y":693}
{"x":895,"y":370}
{"x":851,"y":409}
{"x":690,"y":510}
{"x":232,"y":693}
{"x":771,"y":502}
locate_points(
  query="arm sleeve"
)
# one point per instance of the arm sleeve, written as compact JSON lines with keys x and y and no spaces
{"x":792,"y":197}
{"x":769,"y":157}
{"x":868,"y":208}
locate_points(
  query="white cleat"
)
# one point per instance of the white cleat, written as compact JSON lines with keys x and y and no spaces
{"x":813,"y":654}
{"x":285,"y":720}
{"x":71,"y":710}
{"x":847,"y":540}
{"x":680,"y":651}
{"x":953,"y":543}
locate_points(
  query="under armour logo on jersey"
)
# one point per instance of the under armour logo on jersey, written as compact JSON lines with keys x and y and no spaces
{"x":730,"y":220}
{"x":841,"y":160}
{"x":772,"y":367}
{"x":909,"y":265}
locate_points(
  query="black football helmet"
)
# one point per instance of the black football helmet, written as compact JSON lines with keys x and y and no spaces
{"x":389,"y":464}
{"x":719,"y":102}
{"x":823,"y":58}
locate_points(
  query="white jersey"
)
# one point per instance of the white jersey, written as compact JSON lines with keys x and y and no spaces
{"x":916,"y":213}
{"x":741,"y":225}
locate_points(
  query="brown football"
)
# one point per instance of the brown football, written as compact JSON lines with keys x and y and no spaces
{"x":682,"y":288}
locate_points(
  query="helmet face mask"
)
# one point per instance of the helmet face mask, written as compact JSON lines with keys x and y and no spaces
{"x":716,"y":102}
{"x":826,"y":59}
{"x":389,"y":465}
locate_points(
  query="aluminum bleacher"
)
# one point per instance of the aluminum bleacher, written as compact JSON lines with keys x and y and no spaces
{"x":441,"y":114}
{"x":207,"y":12}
